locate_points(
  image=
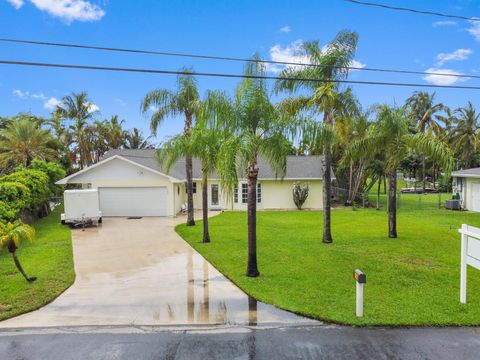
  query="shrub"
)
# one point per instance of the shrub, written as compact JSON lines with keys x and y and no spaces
{"x":53,"y":170}
{"x":300,"y":194}
{"x":14,"y":197}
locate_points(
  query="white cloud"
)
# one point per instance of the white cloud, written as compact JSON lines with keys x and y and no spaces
{"x":21,"y":94}
{"x":286,"y":29}
{"x":92,"y":107}
{"x":293,"y":53}
{"x":457,"y":55}
{"x":17,"y":4}
{"x":444,"y":23}
{"x":67,"y":10}
{"x":442,"y":80}
{"x":51,"y":103}
{"x":40,"y":96}
{"x":153,"y":108}
{"x":475,"y":30}
{"x":120,"y":102}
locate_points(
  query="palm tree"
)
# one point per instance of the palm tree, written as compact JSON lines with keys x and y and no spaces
{"x":11,"y":236}
{"x":323,"y":96}
{"x":422,"y":108}
{"x":390,"y":136}
{"x":79,"y":109}
{"x":465,"y":135}
{"x":134,"y":139}
{"x":258,"y":129}
{"x":203,"y":143}
{"x":184,"y":101}
{"x":115,"y":135}
{"x":21,"y":141}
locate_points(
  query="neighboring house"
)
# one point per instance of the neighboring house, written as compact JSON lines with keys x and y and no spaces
{"x":467,"y":184}
{"x":132,"y":183}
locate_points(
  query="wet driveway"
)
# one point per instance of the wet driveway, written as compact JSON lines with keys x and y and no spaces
{"x":140,"y":272}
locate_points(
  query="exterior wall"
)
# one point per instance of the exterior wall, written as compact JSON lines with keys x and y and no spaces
{"x":467,"y":192}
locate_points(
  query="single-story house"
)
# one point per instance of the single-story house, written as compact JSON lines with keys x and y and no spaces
{"x":132,"y":183}
{"x":466,"y":183}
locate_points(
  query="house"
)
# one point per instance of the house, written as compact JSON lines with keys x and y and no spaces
{"x":467,"y":184}
{"x":132,"y":183}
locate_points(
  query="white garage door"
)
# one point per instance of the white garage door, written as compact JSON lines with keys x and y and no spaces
{"x":475,"y":206}
{"x":138,"y":201}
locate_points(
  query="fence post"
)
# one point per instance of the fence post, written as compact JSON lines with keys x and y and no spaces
{"x":439,"y":200}
{"x":463,"y":265}
{"x":420,"y":201}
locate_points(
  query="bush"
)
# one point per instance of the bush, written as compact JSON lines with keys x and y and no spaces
{"x":14,"y":197}
{"x":300,"y":194}
{"x":36,"y":181}
{"x":53,"y":170}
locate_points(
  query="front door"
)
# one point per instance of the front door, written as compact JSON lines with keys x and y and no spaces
{"x":214,"y":196}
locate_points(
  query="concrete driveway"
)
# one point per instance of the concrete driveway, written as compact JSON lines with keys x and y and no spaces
{"x":140,"y":272}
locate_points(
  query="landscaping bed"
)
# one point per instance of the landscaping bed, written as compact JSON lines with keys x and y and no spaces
{"x":412,"y":280}
{"x":49,"y":258}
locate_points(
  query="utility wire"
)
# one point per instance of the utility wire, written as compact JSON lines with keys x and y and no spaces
{"x":211,"y":57}
{"x":224,"y":75}
{"x":413,"y":10}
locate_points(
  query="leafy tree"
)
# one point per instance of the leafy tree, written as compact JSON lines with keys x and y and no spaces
{"x":323,"y":96}
{"x":423,"y":109}
{"x":21,"y":141}
{"x":184,"y":101}
{"x":258,"y":129}
{"x":79,"y":109}
{"x":11,"y":236}
{"x":14,"y":198}
{"x":134,"y":139}
{"x":390,"y":136}
{"x":53,"y":170}
{"x":465,"y":135}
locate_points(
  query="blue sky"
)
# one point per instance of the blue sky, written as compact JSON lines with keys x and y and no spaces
{"x":231,"y":28}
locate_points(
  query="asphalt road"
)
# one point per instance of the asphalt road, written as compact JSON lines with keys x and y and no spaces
{"x":313,"y":342}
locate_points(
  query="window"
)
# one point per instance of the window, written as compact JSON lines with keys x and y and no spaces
{"x":235,"y":194}
{"x":194,"y":187}
{"x":244,"y":193}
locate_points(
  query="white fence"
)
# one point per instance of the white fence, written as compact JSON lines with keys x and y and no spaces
{"x":470,"y":255}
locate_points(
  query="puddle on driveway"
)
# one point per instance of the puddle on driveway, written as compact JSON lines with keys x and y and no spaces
{"x":143,"y":273}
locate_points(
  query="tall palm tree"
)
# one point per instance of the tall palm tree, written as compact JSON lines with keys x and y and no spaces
{"x":134,"y":139}
{"x":204,"y":143}
{"x":258,"y":130}
{"x":465,"y":136}
{"x":185,"y":101}
{"x":21,"y":141}
{"x":323,"y":96}
{"x":115,"y":135}
{"x":423,"y":109}
{"x":11,"y":236}
{"x":390,"y":136}
{"x":78,"y":108}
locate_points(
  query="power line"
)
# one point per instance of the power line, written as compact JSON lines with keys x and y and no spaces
{"x":242,"y":76}
{"x":413,"y":10}
{"x":225,"y":58}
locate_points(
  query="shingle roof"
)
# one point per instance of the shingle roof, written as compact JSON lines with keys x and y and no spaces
{"x":474,"y":172}
{"x":298,"y":167}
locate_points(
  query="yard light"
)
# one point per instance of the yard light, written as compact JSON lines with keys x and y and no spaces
{"x":360,"y":279}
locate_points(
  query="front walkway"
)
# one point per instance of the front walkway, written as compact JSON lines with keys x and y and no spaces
{"x":140,"y":272}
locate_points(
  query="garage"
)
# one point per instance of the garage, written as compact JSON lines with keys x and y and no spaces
{"x":133,"y":201}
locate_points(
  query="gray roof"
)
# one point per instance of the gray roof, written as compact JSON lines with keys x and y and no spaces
{"x":298,"y":167}
{"x":474,"y":172}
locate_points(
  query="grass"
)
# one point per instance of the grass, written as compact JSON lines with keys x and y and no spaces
{"x":412,"y":280}
{"x":49,"y":258}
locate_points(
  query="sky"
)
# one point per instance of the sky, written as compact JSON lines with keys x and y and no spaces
{"x":274,"y":29}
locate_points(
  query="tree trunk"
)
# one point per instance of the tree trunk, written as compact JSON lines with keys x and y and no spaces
{"x":434,"y":176}
{"x":378,"y":192}
{"x":206,"y":235}
{"x":392,"y":205}
{"x":189,"y":172}
{"x":327,"y":186}
{"x":12,"y":248}
{"x":424,"y":175}
{"x":252,"y":175}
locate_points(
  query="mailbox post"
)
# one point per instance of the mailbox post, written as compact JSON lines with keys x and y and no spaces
{"x":360,"y":279}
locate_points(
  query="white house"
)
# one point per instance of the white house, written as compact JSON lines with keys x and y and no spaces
{"x":467,"y":184}
{"x":132,"y":183}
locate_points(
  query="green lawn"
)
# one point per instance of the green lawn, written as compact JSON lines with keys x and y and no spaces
{"x":49,"y":258}
{"x":412,"y":280}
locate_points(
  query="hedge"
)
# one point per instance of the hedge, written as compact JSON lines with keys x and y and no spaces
{"x":14,"y":197}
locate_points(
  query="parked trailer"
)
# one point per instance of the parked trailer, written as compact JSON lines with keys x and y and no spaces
{"x":81,"y":207}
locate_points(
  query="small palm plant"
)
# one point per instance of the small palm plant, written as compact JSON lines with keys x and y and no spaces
{"x":300,"y":194}
{"x":11,"y":236}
